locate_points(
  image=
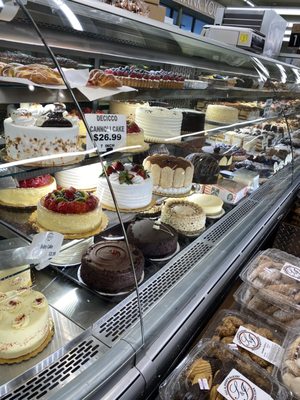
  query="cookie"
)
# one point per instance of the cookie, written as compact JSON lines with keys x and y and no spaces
{"x":200,"y":369}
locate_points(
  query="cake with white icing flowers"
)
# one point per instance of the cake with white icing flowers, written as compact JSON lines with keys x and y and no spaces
{"x":159,"y":123}
{"x":85,"y":177}
{"x":27,"y":136}
{"x":221,"y":114}
{"x":131,"y":184}
{"x":22,"y":279}
{"x":184,"y":216}
{"x":26,"y":326}
{"x":28,"y":193}
{"x":211,"y":205}
{"x":171,"y":175}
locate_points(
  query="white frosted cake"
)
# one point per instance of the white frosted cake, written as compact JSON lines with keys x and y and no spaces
{"x":171,"y":175}
{"x":81,"y":178}
{"x":28,"y":137}
{"x":21,"y":280}
{"x":131,"y":184}
{"x":26,"y":327}
{"x":210,"y":204}
{"x":125,"y":108}
{"x":222,"y":114}
{"x":159,"y":123}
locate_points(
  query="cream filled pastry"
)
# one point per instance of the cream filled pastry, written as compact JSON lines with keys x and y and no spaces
{"x":19,"y":281}
{"x":26,"y":327}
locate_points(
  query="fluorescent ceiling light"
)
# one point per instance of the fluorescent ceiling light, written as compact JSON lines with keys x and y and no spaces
{"x":286,"y":39}
{"x":281,"y":11}
{"x":249,"y":3}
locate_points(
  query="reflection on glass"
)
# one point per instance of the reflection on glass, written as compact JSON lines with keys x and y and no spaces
{"x":71,"y":17}
{"x":186,"y":22}
{"x":282,"y":72}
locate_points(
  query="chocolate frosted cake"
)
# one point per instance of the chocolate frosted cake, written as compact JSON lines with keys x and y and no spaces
{"x":156,"y":240}
{"x":105,"y":267}
{"x":192,"y":120}
{"x":206,"y":168}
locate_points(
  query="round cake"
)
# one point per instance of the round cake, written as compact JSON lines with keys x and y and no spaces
{"x":155,"y":240}
{"x":106,"y":267}
{"x":125,"y":107}
{"x":170,"y":175}
{"x":20,"y":281}
{"x":222,"y":114}
{"x":28,"y":137}
{"x":159,"y":123}
{"x":210,"y":204}
{"x":85,"y":177}
{"x":134,"y":135}
{"x":131,"y":184}
{"x":70,"y":212}
{"x":206,"y":168}
{"x":29,"y":192}
{"x":26,"y":327}
{"x":184,"y":216}
{"x":192,"y":120}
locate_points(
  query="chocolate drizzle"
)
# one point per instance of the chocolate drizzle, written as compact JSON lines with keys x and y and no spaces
{"x":56,"y":120}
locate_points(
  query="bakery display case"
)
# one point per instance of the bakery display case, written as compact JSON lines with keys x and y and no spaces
{"x":208,"y":166}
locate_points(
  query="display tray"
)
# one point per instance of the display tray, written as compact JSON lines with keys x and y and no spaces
{"x":64,"y":331}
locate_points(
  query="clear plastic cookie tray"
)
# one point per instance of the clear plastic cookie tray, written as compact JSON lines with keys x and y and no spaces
{"x":289,"y":373}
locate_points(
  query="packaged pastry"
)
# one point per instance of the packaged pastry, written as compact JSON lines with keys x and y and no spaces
{"x":254,"y":301}
{"x":211,"y":371}
{"x":277,"y":276}
{"x":255,"y":340}
{"x":289,"y":373}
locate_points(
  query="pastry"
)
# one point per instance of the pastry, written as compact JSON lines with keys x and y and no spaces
{"x":186,"y":217}
{"x":134,"y":135}
{"x":221,"y":114}
{"x":291,"y":368}
{"x":28,"y":193}
{"x":131,"y":184}
{"x":170,"y":175}
{"x":26,"y":136}
{"x":106,"y":267}
{"x":38,"y":73}
{"x":159,"y":123}
{"x":192,"y":120}
{"x":70,"y":212}
{"x":206,"y":168}
{"x":125,"y":108}
{"x":211,"y":205}
{"x":155,"y":240}
{"x":200,"y":369}
{"x":26,"y":327}
{"x":101,"y":79}
{"x":22,"y":279}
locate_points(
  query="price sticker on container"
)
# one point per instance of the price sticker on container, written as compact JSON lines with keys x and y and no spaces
{"x":108,"y":131}
{"x":237,"y":387}
{"x":259,"y":345}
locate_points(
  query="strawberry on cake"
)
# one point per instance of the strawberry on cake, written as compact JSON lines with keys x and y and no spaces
{"x":72,"y":212}
{"x":131,"y":184}
{"x":135,"y":136}
{"x":28,"y":193}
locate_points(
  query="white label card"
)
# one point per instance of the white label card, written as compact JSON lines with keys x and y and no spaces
{"x":203,"y":384}
{"x":259,"y":345}
{"x":291,"y":271}
{"x":237,"y":387}
{"x":108,"y":131}
{"x":44,"y":247}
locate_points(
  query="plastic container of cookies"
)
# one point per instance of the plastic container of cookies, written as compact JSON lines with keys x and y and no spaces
{"x":253,"y":301}
{"x":276,"y":275}
{"x":289,"y":373}
{"x":226,"y":327}
{"x":207,"y":370}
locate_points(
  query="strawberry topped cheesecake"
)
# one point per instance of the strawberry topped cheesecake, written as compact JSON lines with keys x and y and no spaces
{"x":28,"y":192}
{"x":70,"y":212}
{"x":135,"y":135}
{"x":131,"y":184}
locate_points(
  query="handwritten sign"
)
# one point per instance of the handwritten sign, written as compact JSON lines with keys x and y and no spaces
{"x":44,"y":247}
{"x":108,"y":131}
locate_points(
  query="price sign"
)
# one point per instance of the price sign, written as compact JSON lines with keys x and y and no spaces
{"x":44,"y":247}
{"x":108,"y":131}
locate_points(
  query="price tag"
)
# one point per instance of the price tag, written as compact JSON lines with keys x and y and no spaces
{"x":108,"y":131}
{"x":237,"y":387}
{"x":44,"y":247}
{"x":259,"y":345}
{"x":291,"y":271}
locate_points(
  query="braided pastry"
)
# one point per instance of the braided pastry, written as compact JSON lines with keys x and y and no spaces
{"x":8,"y":69}
{"x":100,"y":79}
{"x":40,"y":74}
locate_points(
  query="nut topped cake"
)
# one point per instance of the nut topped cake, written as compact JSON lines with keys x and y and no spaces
{"x":26,"y":327}
{"x":154,"y":239}
{"x":106,"y":267}
{"x":171,"y":175}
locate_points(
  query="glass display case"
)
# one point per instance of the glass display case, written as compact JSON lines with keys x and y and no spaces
{"x":229,"y":118}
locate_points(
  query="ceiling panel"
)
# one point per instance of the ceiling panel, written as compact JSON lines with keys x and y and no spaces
{"x":261,"y":3}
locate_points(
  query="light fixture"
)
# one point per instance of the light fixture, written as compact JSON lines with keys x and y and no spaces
{"x":31,"y":88}
{"x":249,"y":3}
{"x":280,"y":11}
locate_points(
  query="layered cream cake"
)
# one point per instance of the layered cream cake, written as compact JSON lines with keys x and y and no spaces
{"x":70,"y":212}
{"x":85,"y":177}
{"x":29,"y":192}
{"x":210,"y":204}
{"x":159,"y":123}
{"x":134,"y":135}
{"x":125,"y":108}
{"x":19,"y":281}
{"x":28,"y":137}
{"x":170,"y":175}
{"x":184,"y":216}
{"x":26,"y":327}
{"x":131,"y":184}
{"x":222,"y":114}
